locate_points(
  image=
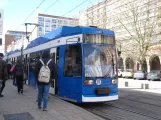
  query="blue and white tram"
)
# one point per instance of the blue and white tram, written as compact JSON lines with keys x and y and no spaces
{"x":86,"y":61}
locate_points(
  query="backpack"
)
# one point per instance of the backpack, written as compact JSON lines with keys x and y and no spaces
{"x":44,"y":74}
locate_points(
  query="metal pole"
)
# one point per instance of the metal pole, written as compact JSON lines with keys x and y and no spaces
{"x":22,"y":49}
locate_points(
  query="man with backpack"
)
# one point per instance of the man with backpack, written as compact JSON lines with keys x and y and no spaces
{"x":44,"y":72}
{"x":3,"y":73}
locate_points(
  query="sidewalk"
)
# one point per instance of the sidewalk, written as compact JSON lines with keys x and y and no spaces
{"x":24,"y":107}
{"x":154,"y":86}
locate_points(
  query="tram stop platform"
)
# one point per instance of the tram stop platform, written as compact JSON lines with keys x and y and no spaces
{"x":14,"y":106}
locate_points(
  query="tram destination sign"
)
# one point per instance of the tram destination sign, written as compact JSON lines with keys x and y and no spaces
{"x":100,"y":39}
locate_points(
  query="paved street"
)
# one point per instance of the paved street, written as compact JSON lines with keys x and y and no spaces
{"x":131,"y":105}
{"x":14,"y":103}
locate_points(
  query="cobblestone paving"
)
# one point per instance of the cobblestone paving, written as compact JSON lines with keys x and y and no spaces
{"x":14,"y":103}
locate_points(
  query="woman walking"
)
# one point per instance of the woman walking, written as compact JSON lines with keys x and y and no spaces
{"x":18,"y":71}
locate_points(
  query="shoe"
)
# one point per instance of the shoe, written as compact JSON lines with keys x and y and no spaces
{"x":1,"y":95}
{"x":21,"y":91}
{"x":39,"y":107}
{"x":45,"y":109}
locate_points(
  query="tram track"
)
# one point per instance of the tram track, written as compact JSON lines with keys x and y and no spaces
{"x":130,"y":107}
{"x":115,"y":112}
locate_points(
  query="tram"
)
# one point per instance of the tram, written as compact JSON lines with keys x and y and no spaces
{"x":86,"y":60}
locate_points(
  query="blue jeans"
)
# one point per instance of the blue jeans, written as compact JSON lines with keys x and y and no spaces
{"x":43,"y":89}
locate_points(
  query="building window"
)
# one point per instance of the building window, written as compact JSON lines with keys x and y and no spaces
{"x":47,"y":29}
{"x":54,"y":26}
{"x":59,"y":21}
{"x":41,"y":24}
{"x":41,"y":19}
{"x":54,"y":21}
{"x":40,"y":28}
{"x":73,"y":61}
{"x":47,"y":24}
{"x":47,"y":20}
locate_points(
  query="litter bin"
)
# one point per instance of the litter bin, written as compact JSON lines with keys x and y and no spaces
{"x":126,"y":84}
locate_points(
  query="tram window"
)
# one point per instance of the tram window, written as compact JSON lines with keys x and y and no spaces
{"x":73,"y":61}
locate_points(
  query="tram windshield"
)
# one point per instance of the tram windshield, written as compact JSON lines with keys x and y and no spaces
{"x":100,"y":60}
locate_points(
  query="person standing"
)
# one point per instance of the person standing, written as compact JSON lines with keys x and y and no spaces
{"x":8,"y":69}
{"x":18,"y":71}
{"x":44,"y":78}
{"x":3,"y":74}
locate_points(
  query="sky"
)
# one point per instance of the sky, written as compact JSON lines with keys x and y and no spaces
{"x":16,"y":11}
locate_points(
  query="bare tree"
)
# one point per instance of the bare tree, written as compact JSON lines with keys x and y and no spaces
{"x":104,"y":15}
{"x":139,"y":20}
{"x":90,"y":16}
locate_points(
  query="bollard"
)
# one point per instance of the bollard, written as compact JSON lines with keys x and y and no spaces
{"x":146,"y":86}
{"x":27,"y":83}
{"x":126,"y":84}
{"x":142,"y":86}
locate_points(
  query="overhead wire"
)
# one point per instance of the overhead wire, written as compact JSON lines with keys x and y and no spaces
{"x":30,"y":14}
{"x":74,"y":8}
{"x":50,"y":6}
{"x":43,"y":12}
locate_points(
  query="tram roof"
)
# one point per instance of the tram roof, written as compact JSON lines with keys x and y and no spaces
{"x":67,"y":31}
{"x":63,"y":32}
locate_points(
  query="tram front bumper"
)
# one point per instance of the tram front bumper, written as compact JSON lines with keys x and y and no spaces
{"x":99,"y":99}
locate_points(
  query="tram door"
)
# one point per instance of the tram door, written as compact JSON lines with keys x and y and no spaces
{"x":53,"y":57}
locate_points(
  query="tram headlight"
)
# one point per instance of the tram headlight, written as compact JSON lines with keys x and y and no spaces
{"x":114,"y":81}
{"x":88,"y":82}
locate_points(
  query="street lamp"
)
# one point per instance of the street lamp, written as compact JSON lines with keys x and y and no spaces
{"x":26,"y":24}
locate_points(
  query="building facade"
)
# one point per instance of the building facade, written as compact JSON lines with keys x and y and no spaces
{"x":116,"y":15}
{"x":8,"y":40}
{"x":18,"y":34}
{"x":47,"y":23}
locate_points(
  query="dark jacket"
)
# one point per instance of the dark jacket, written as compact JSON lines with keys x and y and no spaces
{"x":51,"y":66}
{"x":9,"y":67}
{"x":18,"y":70}
{"x":3,"y":70}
